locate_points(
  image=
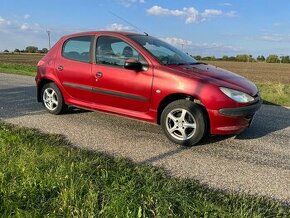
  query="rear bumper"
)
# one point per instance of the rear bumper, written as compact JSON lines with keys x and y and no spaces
{"x":232,"y":120}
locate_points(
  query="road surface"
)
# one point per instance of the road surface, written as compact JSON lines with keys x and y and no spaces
{"x":255,"y":162}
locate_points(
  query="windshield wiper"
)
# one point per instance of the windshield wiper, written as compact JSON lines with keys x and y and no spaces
{"x":197,"y":63}
{"x":193,"y":63}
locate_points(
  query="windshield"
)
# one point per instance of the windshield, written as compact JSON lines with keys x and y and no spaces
{"x":165,"y":53}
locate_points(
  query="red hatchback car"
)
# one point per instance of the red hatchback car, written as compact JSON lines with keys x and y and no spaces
{"x":142,"y":77}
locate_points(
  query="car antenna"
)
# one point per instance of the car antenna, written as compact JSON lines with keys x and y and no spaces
{"x":123,"y":19}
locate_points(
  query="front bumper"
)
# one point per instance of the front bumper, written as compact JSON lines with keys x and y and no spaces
{"x":241,"y":111}
{"x":232,"y":120}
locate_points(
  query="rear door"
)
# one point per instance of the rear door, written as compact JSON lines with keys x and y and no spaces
{"x":74,"y":67}
{"x":115,"y":86}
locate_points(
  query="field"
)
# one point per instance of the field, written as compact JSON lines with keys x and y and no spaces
{"x":273,"y":80}
{"x":26,"y":59}
{"x":43,"y":175}
{"x":258,"y":72}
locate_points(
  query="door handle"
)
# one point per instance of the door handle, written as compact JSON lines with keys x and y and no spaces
{"x":99,"y":74}
{"x":60,"y":68}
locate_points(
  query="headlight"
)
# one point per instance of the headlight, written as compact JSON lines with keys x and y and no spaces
{"x":238,"y":96}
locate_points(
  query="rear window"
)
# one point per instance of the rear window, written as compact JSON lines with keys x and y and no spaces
{"x":77,"y":48}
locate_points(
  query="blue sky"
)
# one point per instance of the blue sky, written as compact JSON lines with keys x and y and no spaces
{"x":205,"y":27}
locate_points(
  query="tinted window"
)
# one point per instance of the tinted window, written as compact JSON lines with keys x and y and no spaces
{"x":114,"y":51}
{"x":165,"y":53}
{"x":77,"y":48}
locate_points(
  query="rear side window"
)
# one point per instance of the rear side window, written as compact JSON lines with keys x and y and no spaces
{"x":77,"y":48}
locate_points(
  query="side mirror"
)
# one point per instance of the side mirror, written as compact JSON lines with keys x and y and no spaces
{"x":132,"y":64}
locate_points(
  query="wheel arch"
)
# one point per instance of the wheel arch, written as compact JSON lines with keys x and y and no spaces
{"x":40,"y":86}
{"x":178,"y":96}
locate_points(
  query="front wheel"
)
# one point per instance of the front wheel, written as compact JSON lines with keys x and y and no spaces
{"x":183,"y":122}
{"x":52,"y":99}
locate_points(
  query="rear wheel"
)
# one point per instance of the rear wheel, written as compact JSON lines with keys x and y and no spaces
{"x":52,"y":99}
{"x":183,"y":122}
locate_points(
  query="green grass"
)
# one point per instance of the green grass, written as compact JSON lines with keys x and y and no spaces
{"x":21,"y":69}
{"x":275,"y":93}
{"x":41,"y":175}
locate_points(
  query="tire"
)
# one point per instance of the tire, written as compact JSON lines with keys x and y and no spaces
{"x":52,"y":99}
{"x":184,"y":122}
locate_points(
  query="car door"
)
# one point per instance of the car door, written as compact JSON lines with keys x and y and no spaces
{"x":74,"y":67}
{"x":116,"y":86}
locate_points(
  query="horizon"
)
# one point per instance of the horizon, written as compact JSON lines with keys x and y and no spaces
{"x":207,"y":28}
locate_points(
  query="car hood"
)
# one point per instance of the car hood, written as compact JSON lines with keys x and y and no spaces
{"x":217,"y":76}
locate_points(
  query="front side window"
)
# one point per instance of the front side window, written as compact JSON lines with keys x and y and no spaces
{"x":77,"y":48}
{"x":162,"y":51}
{"x":114,"y":51}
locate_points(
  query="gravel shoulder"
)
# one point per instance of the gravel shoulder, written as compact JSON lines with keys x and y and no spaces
{"x":255,"y":162}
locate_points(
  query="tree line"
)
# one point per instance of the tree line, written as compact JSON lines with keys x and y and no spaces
{"x":28,"y":49}
{"x":272,"y":58}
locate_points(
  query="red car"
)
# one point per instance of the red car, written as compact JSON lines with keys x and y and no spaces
{"x":142,"y":77}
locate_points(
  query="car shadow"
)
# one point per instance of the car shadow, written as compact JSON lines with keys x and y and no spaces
{"x":74,"y":110}
{"x":21,"y":101}
{"x":270,"y":118}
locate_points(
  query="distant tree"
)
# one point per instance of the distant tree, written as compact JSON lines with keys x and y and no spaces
{"x":44,"y":50}
{"x":242,"y":58}
{"x":17,"y":50}
{"x":285,"y":59}
{"x":261,"y":58}
{"x":232,"y":58}
{"x":273,"y":59}
{"x":6,"y":51}
{"x":209,"y":58}
{"x":197,"y":57}
{"x":31,"y":49}
{"x":225,"y":58}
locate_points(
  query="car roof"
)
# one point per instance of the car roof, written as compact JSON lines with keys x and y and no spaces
{"x":103,"y":32}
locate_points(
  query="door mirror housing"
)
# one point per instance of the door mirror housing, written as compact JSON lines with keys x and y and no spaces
{"x":132,"y":64}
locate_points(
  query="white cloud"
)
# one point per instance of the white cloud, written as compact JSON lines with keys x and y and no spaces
{"x":19,"y":34}
{"x":275,"y":37}
{"x":24,"y":26}
{"x":157,"y":10}
{"x":277,"y":24}
{"x":209,"y":49}
{"x":190,"y":14}
{"x":118,"y":27}
{"x":176,"y":41}
{"x":14,"y":26}
{"x":232,"y":14}
{"x":4,"y":22}
{"x":128,"y":3}
{"x":226,"y":4}
{"x":27,"y":16}
{"x":211,"y":13}
{"x":216,"y":46}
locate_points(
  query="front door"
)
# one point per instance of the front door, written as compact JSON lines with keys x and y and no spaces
{"x":115,"y":86}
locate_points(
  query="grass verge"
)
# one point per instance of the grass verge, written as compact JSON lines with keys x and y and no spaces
{"x":20,"y":69}
{"x":40,"y":175}
{"x":278,"y":93}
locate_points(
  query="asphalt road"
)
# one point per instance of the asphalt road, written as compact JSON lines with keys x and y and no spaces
{"x":255,"y":162}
